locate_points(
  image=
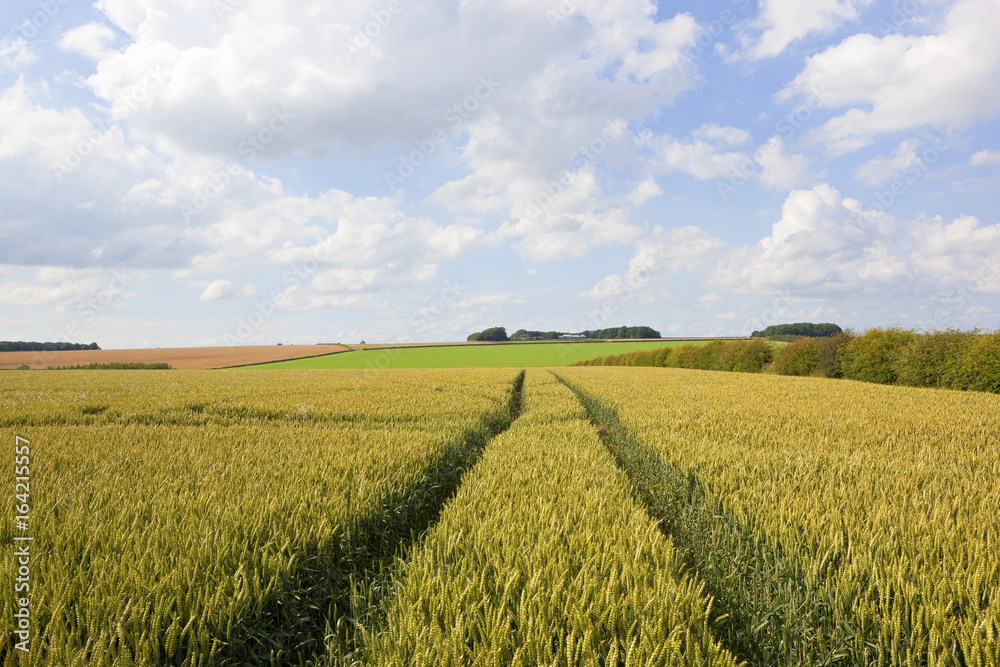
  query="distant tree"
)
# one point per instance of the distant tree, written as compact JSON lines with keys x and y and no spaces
{"x":790,"y":331}
{"x":623,"y":332}
{"x":493,"y":334}
{"x":31,"y":346}
{"x":522,"y":334}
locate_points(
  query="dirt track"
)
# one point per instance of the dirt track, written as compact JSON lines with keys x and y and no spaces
{"x":178,"y":357}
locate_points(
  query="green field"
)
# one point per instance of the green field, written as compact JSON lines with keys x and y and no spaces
{"x":501,"y":355}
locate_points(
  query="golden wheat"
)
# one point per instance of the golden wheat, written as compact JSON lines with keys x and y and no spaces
{"x":840,"y":522}
{"x":544,"y":558}
{"x":199,"y":518}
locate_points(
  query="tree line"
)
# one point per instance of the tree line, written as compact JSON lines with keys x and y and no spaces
{"x":798,"y":330}
{"x":499,"y":334}
{"x":947,"y":359}
{"x":31,"y":346}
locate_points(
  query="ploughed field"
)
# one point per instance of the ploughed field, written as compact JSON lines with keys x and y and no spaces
{"x":573,"y":516}
{"x":177,"y":357}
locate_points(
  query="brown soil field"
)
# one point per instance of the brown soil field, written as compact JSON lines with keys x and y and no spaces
{"x":177,"y":357}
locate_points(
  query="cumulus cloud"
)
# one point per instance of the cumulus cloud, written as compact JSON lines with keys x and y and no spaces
{"x":15,"y":54}
{"x":659,"y":255}
{"x":898,"y":82}
{"x":645,"y":191}
{"x":782,"y":22}
{"x":76,"y":292}
{"x":708,"y":154}
{"x":825,"y":245}
{"x":91,"y":40}
{"x":782,"y":170}
{"x":331,"y":247}
{"x":699,"y":158}
{"x":569,"y":222}
{"x":881,"y":170}
{"x":394,"y":87}
{"x":984,"y":157}
{"x":731,"y":136}
{"x":416,"y":86}
{"x":226,"y":289}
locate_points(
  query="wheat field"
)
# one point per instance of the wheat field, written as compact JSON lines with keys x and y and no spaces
{"x":579,"y":516}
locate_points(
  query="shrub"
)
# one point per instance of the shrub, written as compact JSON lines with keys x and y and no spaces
{"x":796,"y":358}
{"x":935,"y":359}
{"x":820,"y":357}
{"x":982,"y":358}
{"x":750,"y":356}
{"x":115,"y":366}
{"x":829,"y":355}
{"x":874,"y":355}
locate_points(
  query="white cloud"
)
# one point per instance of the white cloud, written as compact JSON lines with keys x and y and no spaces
{"x":509,"y":138}
{"x":225,"y":289}
{"x":569,"y":224}
{"x":706,"y":155}
{"x":710,"y":299}
{"x":486,"y":300}
{"x":785,"y":21}
{"x":820,"y":249}
{"x":899,"y":82}
{"x":660,"y":255}
{"x":881,"y":170}
{"x":80,"y":293}
{"x":698,"y":158}
{"x":984,"y":157}
{"x":91,"y":40}
{"x":645,"y":191}
{"x":782,"y":170}
{"x":15,"y":54}
{"x":731,"y":136}
{"x":306,"y":57}
{"x":330,"y":246}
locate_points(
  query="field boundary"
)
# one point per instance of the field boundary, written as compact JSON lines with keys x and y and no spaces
{"x":181,"y":358}
{"x":278,"y":361}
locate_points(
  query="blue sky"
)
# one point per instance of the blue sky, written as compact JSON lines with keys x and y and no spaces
{"x":183,"y":173}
